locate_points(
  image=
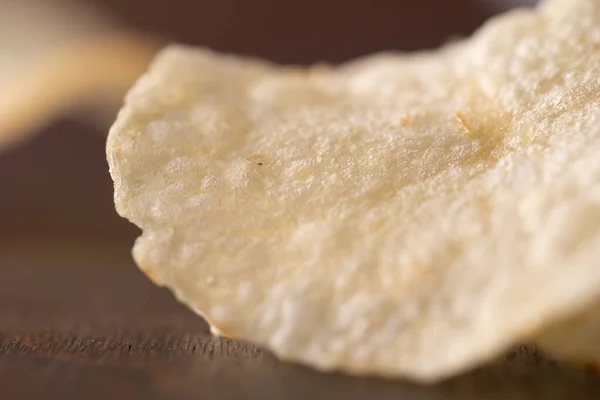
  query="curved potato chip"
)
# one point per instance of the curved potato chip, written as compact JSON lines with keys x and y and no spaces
{"x":401,"y":215}
{"x":56,"y":55}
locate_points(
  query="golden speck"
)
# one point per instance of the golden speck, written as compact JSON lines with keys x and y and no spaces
{"x":407,"y":121}
{"x":150,"y":274}
{"x":218,"y":330}
{"x":463,"y":120}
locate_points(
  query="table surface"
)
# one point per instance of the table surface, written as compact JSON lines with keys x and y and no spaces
{"x":79,"y":320}
{"x":89,"y":325}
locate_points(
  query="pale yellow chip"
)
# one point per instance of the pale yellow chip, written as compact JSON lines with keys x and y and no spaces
{"x":57,"y":55}
{"x":400,"y":215}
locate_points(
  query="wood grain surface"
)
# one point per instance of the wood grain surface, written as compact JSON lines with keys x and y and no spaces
{"x":78,"y":320}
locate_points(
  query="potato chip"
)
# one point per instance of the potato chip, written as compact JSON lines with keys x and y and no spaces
{"x":56,"y":55}
{"x":402,"y":215}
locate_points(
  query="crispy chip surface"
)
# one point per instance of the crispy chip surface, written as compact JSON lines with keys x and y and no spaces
{"x":402,"y":215}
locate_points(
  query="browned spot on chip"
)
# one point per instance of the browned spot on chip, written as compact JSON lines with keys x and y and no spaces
{"x":464,"y":122}
{"x":150,"y":274}
{"x":219,"y":330}
{"x":407,"y":121}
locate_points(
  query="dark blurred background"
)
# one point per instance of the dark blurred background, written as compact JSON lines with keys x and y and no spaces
{"x":305,"y":31}
{"x":55,"y":192}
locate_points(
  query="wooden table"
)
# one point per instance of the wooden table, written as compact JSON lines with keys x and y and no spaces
{"x":78,"y":320}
